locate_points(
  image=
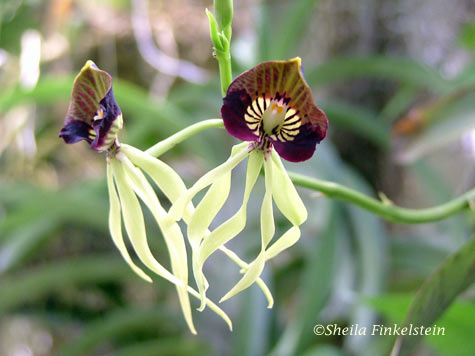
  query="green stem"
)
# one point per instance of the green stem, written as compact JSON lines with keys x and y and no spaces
{"x":387,"y":211}
{"x":225,"y":71}
{"x":170,"y":142}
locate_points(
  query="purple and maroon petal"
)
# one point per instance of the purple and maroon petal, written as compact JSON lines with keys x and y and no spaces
{"x":75,"y":131}
{"x":302,"y":147}
{"x":233,"y":111}
{"x":93,"y":114}
{"x":280,"y":84}
{"x":107,"y":128}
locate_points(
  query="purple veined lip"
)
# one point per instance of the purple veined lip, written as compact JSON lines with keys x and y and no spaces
{"x":272,"y":105}
{"x":93,"y":114}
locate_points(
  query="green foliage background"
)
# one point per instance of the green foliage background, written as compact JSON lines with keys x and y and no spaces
{"x":64,"y":289}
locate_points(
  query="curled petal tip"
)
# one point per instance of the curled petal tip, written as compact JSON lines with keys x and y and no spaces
{"x":90,"y":64}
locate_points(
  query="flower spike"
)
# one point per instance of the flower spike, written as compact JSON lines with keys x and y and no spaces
{"x":272,"y":105}
{"x":93,"y":113}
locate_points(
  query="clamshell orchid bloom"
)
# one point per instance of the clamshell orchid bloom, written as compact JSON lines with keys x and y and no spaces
{"x":272,"y":107}
{"x":93,"y":114}
{"x":95,"y":117}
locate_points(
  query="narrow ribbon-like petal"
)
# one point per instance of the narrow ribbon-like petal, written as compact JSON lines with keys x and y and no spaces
{"x":135,"y":228}
{"x":177,"y":210}
{"x":281,"y":189}
{"x":115,"y":226}
{"x":253,"y":272}
{"x":171,"y":233}
{"x":267,"y":232}
{"x":245,"y":268}
{"x":234,"y":225}
{"x":173,"y":187}
{"x":267,"y":211}
{"x":134,"y":223}
{"x":285,"y":195}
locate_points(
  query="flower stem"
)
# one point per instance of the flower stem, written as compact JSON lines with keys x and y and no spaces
{"x":387,"y":211}
{"x":220,"y":33}
{"x":170,"y":142}
{"x":225,"y":70}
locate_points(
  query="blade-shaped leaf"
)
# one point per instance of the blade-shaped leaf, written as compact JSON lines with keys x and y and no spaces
{"x":437,"y":294}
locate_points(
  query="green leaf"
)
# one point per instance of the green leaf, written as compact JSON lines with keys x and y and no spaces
{"x":324,"y":350}
{"x":467,"y":36}
{"x":290,"y":31}
{"x":119,"y":324}
{"x":399,"y":70}
{"x":30,"y":285}
{"x":165,"y":346}
{"x":456,"y":322}
{"x":399,"y":103}
{"x":437,"y":294}
{"x":360,"y":121}
{"x":450,"y":124}
{"x":25,"y":240}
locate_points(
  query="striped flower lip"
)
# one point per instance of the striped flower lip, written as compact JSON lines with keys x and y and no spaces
{"x":272,"y":105}
{"x":93,"y":114}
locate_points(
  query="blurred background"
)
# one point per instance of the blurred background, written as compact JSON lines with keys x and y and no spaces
{"x":397,"y":81}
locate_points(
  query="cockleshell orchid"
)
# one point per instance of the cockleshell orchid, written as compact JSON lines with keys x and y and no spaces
{"x":95,"y":116}
{"x":271,"y":106}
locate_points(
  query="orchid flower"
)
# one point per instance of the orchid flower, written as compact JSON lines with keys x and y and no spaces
{"x":95,"y":117}
{"x":272,"y":107}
